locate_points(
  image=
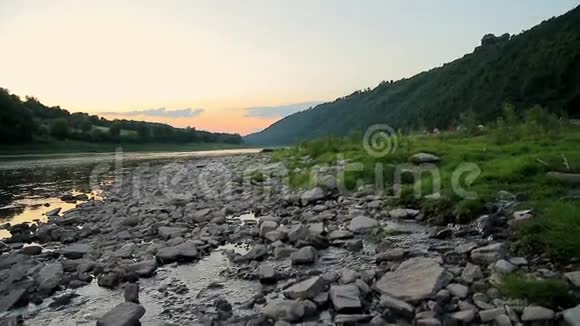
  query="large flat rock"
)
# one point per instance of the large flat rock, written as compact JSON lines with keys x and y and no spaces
{"x":415,"y":280}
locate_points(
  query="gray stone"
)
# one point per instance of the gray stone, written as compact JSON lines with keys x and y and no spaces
{"x":76,"y":251}
{"x":328,"y":182}
{"x":126,"y":251}
{"x":168,"y":232}
{"x":144,"y":268}
{"x":464,"y":316}
{"x":400,"y":307}
{"x":458,"y":290}
{"x":287,"y":310}
{"x":131,"y":293}
{"x":572,"y":316}
{"x":345,"y":298}
{"x":465,"y":248}
{"x":306,"y":255}
{"x":503,"y":320}
{"x":428,"y":322}
{"x":488,"y":254}
{"x":276,"y":235}
{"x":31,"y":250}
{"x":49,"y":278}
{"x":502,"y":266}
{"x":421,"y":158}
{"x":574,"y":278}
{"x":352,"y":319}
{"x":340,"y":235}
{"x":267,"y":274}
{"x":414,"y":280}
{"x":391,"y":255}
{"x":124,"y":314}
{"x":471,"y":273}
{"x":11,"y":299}
{"x":307,"y":289}
{"x":266,"y":227}
{"x":403,"y":213}
{"x":518,"y":261}
{"x":313,"y":195}
{"x":361,"y":224}
{"x":186,"y":251}
{"x":489,"y":315}
{"x":537,"y":313}
{"x":297,"y":233}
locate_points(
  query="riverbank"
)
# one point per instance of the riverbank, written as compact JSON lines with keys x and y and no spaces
{"x":205,"y":241}
{"x":78,"y":147}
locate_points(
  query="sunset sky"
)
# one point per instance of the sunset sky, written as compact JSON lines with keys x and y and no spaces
{"x":235,"y":66}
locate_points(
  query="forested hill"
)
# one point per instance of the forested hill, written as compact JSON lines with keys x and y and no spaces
{"x":30,"y":121}
{"x":538,"y":67}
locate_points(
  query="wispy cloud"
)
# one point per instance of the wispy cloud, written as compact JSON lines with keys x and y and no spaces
{"x":278,"y":111}
{"x":162,"y":112}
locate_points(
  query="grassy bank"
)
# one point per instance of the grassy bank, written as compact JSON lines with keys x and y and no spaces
{"x":485,"y":163}
{"x":71,"y":147}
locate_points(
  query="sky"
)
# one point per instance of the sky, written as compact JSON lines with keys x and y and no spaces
{"x":232,"y":65}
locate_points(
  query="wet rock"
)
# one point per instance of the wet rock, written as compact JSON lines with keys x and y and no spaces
{"x":53,"y":212}
{"x":76,"y":251}
{"x":414,"y":280}
{"x":31,"y":250}
{"x":345,"y":298}
{"x":12,"y":299}
{"x":354,"y":245}
{"x":572,"y":316}
{"x":186,"y":251}
{"x":256,"y":253}
{"x":49,"y":278}
{"x":63,"y":299}
{"x":144,"y":268}
{"x":465,"y":248}
{"x":441,"y":233}
{"x":267,"y":274}
{"x":306,"y":255}
{"x":131,"y":293}
{"x":307,"y":289}
{"x":537,"y":313}
{"x":168,"y":232}
{"x":312,"y":196}
{"x":124,"y":314}
{"x":287,"y":310}
{"x":398,"y":306}
{"x":391,"y":255}
{"x":362,"y":224}
{"x":421,"y":158}
{"x":488,"y":254}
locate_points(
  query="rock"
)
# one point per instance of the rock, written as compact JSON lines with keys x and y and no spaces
{"x":31,"y":250}
{"x":312,"y":196}
{"x":441,"y":233}
{"x":287,"y":310}
{"x":488,"y":254}
{"x":464,"y":316}
{"x":11,"y":299}
{"x":537,"y":313}
{"x":518,"y":261}
{"x":49,"y":278}
{"x":399,"y":307}
{"x":76,"y":251}
{"x":222,"y":304}
{"x":352,"y":319}
{"x":421,"y":158}
{"x":256,"y":253}
{"x":522,"y":215}
{"x":465,"y":248}
{"x":300,"y":232}
{"x":186,"y":251}
{"x":328,"y":182}
{"x":126,"y":251}
{"x":414,"y":280}
{"x":502,"y":266}
{"x":168,"y":232}
{"x":574,"y":278}
{"x":144,"y":268}
{"x":340,"y":235}
{"x":124,"y":314}
{"x":345,"y":298}
{"x":53,"y":212}
{"x":130,"y":221}
{"x":403,"y":213}
{"x":458,"y":290}
{"x":267,"y":226}
{"x":471,"y":273}
{"x":305,"y":255}
{"x":571,"y":316}
{"x":361,"y":224}
{"x":109,"y":280}
{"x":503,"y":320}
{"x":489,"y":315}
{"x":391,"y":255}
{"x":131,"y":293}
{"x":307,"y":289}
{"x":428,"y":322}
{"x":276,"y":235}
{"x":267,"y":274}
{"x":61,"y":300}
{"x":348,"y":276}
{"x":354,"y":245}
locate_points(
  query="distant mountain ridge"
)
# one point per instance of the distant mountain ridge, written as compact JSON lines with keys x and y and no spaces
{"x":538,"y":67}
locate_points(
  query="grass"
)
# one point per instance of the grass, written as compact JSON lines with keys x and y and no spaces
{"x":71,"y":147}
{"x":480,"y":165}
{"x":546,"y":292}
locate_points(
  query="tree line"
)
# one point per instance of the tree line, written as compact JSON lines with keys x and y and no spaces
{"x":28,"y":121}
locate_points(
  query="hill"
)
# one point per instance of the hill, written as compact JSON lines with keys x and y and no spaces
{"x":538,"y":67}
{"x":31,"y":122}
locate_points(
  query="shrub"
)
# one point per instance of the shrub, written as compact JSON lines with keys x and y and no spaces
{"x":545,"y":292}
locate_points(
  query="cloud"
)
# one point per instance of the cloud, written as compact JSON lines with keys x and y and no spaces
{"x":279,"y":110}
{"x":162,"y":112}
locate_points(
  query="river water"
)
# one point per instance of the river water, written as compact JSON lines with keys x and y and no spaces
{"x":32,"y":185}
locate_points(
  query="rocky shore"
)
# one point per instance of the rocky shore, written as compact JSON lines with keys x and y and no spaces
{"x":205,"y":243}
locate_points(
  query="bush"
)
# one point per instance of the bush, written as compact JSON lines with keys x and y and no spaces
{"x":467,"y":210}
{"x":545,"y":292}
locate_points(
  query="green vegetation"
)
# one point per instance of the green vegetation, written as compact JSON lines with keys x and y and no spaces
{"x":545,"y":292}
{"x":478,"y":163}
{"x":377,"y":235}
{"x":31,"y":122}
{"x":537,"y":67}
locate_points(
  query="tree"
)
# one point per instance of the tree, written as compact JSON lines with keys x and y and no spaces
{"x":59,"y":128}
{"x":115,"y":131}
